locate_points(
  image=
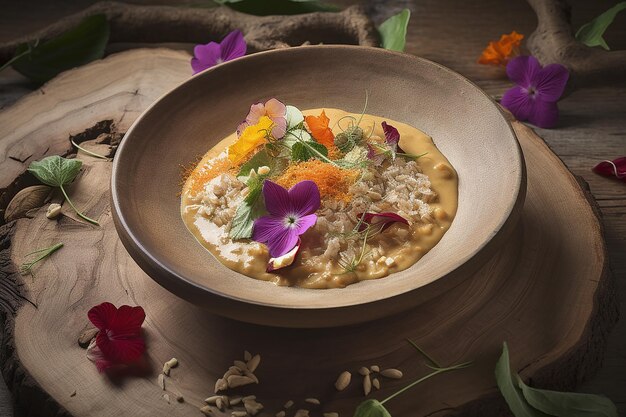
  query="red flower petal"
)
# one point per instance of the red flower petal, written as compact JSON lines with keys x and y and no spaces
{"x":95,"y":355}
{"x":384,"y":219}
{"x":127,"y":321}
{"x":615,"y":168}
{"x":102,"y":315}
{"x":120,"y":350}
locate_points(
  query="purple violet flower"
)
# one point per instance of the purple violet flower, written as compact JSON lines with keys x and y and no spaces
{"x":274,"y":109}
{"x":377,"y":152}
{"x":537,"y":91}
{"x":206,"y":56}
{"x":291,"y":213}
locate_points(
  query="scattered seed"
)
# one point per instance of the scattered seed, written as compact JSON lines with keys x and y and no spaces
{"x":233,"y":370}
{"x":312,"y":401}
{"x":207,"y":411}
{"x":331,"y":414}
{"x":241,"y":365}
{"x":376,"y":383}
{"x":391,"y":373}
{"x":235,"y":400}
{"x":172,"y":363}
{"x":343,"y":380}
{"x":251,"y":376}
{"x":212,"y":399}
{"x":367,"y":385}
{"x":179,"y":397}
{"x":85,"y":337}
{"x":375,"y":368}
{"x":247,"y":355}
{"x":161,"y":381}
{"x":219,"y":403}
{"x":252,"y":407}
{"x":53,"y":211}
{"x":364,"y":371}
{"x":281,"y":413}
{"x":302,"y":413}
{"x":238,"y":414}
{"x":226,"y":401}
{"x":253,"y":363}
{"x":221,"y":385}
{"x":288,"y":404}
{"x":235,"y":381}
{"x":166,"y":397}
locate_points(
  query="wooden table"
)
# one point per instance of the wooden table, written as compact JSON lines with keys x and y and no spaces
{"x":592,"y":127}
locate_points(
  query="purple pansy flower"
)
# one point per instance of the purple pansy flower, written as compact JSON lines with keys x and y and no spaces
{"x":537,"y":91}
{"x":291,"y":213}
{"x":377,"y":152}
{"x":206,"y":56}
{"x":274,"y":109}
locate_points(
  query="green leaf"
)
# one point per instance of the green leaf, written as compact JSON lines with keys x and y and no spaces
{"x":243,"y":222}
{"x":301,"y":151}
{"x":371,"y":408}
{"x":55,"y":170}
{"x":511,"y":393}
{"x":77,"y":46}
{"x":393,"y":31}
{"x":591,"y":33}
{"x":568,"y":404}
{"x":278,"y":7}
{"x":261,"y":158}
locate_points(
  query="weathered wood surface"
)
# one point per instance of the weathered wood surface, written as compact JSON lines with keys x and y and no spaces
{"x":556,"y":252}
{"x":592,"y":120}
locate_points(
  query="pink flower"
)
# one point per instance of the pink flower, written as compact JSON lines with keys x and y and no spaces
{"x":119,"y":341}
{"x":206,"y":56}
{"x":537,"y":91}
{"x":273,"y":109}
{"x":291,"y":213}
{"x":377,"y":152}
{"x":384,"y":220}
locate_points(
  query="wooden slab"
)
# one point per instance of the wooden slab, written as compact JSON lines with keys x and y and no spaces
{"x":547,"y":292}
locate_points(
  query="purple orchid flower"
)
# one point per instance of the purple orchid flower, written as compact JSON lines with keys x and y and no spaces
{"x":291,"y":213}
{"x":206,"y":56}
{"x":377,"y":152}
{"x":274,"y":109}
{"x":537,"y":91}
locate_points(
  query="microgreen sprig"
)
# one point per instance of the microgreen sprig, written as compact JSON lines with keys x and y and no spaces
{"x":27,"y":267}
{"x":88,"y":152}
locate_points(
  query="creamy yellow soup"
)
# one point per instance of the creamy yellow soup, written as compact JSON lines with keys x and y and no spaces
{"x":391,"y":250}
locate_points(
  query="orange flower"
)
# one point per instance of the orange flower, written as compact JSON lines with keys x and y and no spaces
{"x":318,"y":126}
{"x":499,"y":53}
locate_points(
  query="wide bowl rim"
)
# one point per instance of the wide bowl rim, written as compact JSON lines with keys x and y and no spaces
{"x":171,"y":279}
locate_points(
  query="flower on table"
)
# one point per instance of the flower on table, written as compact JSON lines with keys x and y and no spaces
{"x":206,"y":56}
{"x":291,"y":213}
{"x":377,"y":152}
{"x":318,"y":126}
{"x":251,"y":138}
{"x":615,"y":168}
{"x":537,"y":91}
{"x":119,"y":340}
{"x":499,"y":53}
{"x":273,"y":109}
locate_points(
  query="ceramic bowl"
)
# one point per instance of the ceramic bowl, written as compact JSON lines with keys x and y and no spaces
{"x":467,"y":126}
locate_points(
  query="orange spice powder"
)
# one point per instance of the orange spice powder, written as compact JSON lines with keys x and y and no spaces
{"x":201,"y":176}
{"x":333,"y":182}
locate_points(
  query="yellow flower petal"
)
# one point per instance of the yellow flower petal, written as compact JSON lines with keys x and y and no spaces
{"x":251,"y":138}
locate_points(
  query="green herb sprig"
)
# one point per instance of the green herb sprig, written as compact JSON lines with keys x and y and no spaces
{"x":56,"y":171}
{"x":27,"y":267}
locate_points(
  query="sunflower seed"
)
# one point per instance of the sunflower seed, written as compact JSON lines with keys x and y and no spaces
{"x":238,"y":414}
{"x":235,"y":381}
{"x":331,"y":414}
{"x":233,"y":370}
{"x":252,"y":407}
{"x":343,"y":380}
{"x":85,"y":337}
{"x":166,"y":397}
{"x":247,"y":356}
{"x":288,"y":404}
{"x":172,"y":363}
{"x":376,"y":383}
{"x":367,"y":385}
{"x":219,"y":403}
{"x":241,"y":365}
{"x":206,"y":410}
{"x":391,"y":373}
{"x":212,"y":399}
{"x":281,"y":414}
{"x":364,"y":371}
{"x":251,"y":376}
{"x":161,"y":381}
{"x":375,"y":368}
{"x":312,"y":401}
{"x":302,"y":413}
{"x":253,"y":363}
{"x":226,"y":401}
{"x":235,"y":400}
{"x":221,"y":385}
